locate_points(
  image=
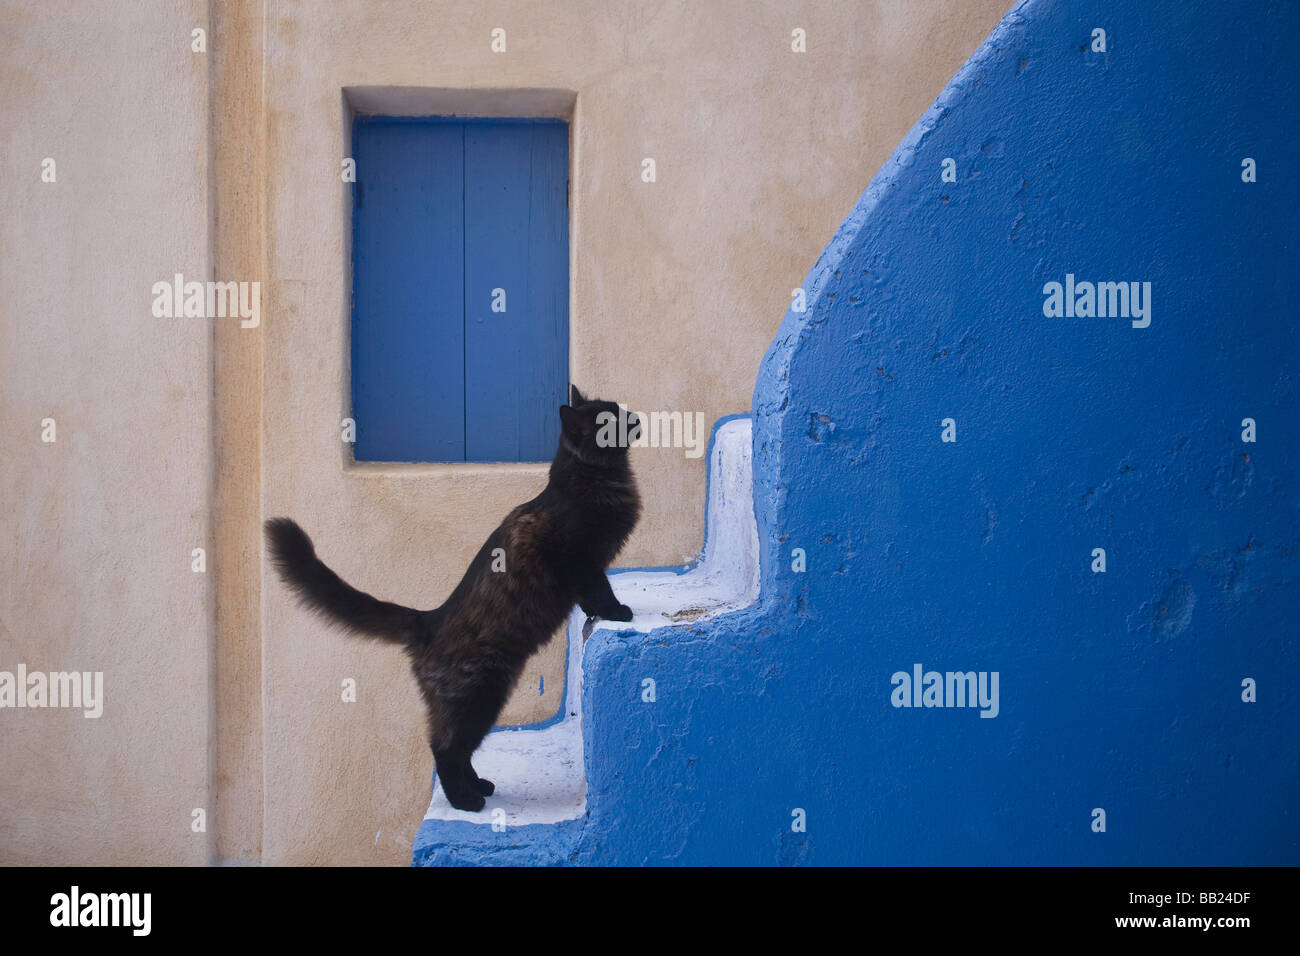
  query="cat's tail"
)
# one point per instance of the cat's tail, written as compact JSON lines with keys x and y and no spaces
{"x":323,"y":591}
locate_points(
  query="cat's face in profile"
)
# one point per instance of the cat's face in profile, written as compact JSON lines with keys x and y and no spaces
{"x":599,"y":431}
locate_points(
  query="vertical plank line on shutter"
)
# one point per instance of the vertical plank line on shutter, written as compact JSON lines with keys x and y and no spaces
{"x":464,"y":293}
{"x":525,"y":414}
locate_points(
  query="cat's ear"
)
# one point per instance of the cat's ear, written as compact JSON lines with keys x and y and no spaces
{"x":569,"y":420}
{"x":575,"y":396}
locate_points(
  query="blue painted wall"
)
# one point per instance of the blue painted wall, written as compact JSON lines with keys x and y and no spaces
{"x":446,"y":212}
{"x":1120,"y":690}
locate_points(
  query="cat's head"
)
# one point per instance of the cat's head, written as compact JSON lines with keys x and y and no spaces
{"x":598,"y":432}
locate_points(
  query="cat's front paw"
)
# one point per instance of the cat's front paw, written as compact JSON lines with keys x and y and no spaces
{"x":620,"y":613}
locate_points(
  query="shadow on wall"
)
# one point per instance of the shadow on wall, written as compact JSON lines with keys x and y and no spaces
{"x":1004,"y":444}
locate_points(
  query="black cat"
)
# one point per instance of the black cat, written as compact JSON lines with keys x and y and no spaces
{"x":467,"y":654}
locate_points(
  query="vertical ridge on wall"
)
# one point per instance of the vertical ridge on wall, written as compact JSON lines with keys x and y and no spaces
{"x":237,"y":120}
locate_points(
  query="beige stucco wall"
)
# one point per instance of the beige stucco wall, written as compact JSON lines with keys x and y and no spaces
{"x":221,"y":693}
{"x":97,"y":528}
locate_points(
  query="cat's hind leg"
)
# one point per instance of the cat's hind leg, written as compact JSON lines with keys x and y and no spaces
{"x":458,"y":722}
{"x":474,"y":722}
{"x":470,"y":738}
{"x":467,"y":726}
{"x":459,"y":782}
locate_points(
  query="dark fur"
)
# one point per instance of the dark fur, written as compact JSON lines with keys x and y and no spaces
{"x":467,"y":654}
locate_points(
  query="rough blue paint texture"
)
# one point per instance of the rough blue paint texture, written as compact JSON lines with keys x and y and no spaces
{"x":1119,"y":690}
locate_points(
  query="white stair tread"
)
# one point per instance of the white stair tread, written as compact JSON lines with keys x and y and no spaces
{"x":538,"y":775}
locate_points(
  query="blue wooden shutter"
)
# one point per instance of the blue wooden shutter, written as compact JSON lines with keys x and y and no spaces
{"x":444,"y":214}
